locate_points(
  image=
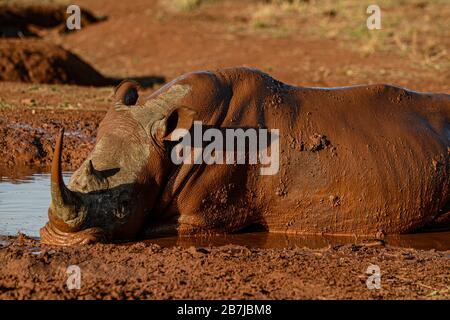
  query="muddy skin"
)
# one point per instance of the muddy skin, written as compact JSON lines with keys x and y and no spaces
{"x":367,"y":160}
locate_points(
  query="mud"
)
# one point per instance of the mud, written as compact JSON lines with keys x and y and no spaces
{"x":149,"y":271}
{"x":38,"y":61}
{"x":143,"y":270}
{"x":27,"y":59}
{"x":263,"y":240}
{"x":28,"y":18}
{"x":27,"y":138}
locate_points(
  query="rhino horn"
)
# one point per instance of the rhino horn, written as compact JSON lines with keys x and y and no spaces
{"x":64,"y":202}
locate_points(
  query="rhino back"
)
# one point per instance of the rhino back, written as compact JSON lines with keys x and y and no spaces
{"x":363,"y":159}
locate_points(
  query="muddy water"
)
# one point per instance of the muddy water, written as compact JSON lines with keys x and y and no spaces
{"x":24,"y":203}
{"x":424,"y":241}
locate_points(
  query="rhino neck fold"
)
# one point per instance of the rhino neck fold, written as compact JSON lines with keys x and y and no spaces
{"x":178,"y":177}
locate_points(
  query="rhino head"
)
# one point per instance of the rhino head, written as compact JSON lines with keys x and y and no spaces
{"x":114,"y":191}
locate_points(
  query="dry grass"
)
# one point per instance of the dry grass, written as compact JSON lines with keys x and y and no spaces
{"x":417,"y":29}
{"x":274,"y":14}
{"x":183,"y":5}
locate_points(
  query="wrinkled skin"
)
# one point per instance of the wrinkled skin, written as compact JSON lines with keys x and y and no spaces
{"x":355,"y":160}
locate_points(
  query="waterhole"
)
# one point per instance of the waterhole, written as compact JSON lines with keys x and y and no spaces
{"x":24,"y":203}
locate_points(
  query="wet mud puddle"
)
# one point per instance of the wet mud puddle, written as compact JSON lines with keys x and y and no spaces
{"x":423,"y":241}
{"x":24,"y":203}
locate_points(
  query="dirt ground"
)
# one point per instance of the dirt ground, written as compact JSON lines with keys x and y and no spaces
{"x":145,"y":270}
{"x":308,"y":43}
{"x":153,"y":41}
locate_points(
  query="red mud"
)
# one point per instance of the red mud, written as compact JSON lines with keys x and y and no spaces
{"x":39,"y":61}
{"x":27,"y":138}
{"x":170,"y":44}
{"x":33,"y":18}
{"x":149,"y":271}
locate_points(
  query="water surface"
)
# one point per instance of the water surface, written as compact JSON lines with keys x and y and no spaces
{"x":24,"y":203}
{"x":424,"y":241}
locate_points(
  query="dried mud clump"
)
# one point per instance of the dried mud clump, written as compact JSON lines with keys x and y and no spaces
{"x":38,"y":61}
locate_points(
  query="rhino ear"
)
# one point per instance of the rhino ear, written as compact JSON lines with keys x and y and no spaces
{"x":127,"y":92}
{"x":176,"y":124}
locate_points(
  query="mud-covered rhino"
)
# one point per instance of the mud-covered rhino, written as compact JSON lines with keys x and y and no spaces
{"x":370,"y":159}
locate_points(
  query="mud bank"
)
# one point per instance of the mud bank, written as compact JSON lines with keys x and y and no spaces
{"x":145,"y":270}
{"x":39,"y":61}
{"x":27,"y":138}
{"x":35,"y":18}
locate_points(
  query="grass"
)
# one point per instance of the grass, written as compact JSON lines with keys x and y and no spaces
{"x":65,"y":105}
{"x":184,"y":5}
{"x":274,"y":14}
{"x":4,"y":105}
{"x":34,"y":87}
{"x":416,"y":29}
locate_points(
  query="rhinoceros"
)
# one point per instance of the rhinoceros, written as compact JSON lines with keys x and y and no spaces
{"x":359,"y":160}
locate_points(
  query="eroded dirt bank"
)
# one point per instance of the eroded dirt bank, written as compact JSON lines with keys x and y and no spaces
{"x":148,"y":271}
{"x":32,"y":114}
{"x":29,"y":140}
{"x":38,"y":61}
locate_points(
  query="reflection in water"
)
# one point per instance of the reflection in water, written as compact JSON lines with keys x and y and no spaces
{"x":424,"y":241}
{"x":24,"y":203}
